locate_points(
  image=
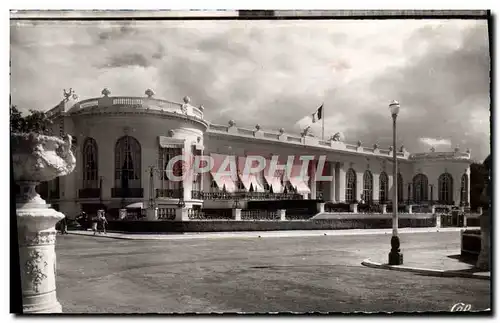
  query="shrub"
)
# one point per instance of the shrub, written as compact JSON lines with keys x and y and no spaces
{"x":36,"y":122}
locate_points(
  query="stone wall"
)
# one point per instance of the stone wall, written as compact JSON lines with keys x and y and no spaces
{"x":339,"y":223}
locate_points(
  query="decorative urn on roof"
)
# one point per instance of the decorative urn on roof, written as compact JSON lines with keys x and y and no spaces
{"x":105,"y":92}
{"x":232,"y":123}
{"x":186,"y":99}
{"x":150,"y":93}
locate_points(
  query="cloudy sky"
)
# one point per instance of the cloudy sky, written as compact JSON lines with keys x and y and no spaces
{"x":274,"y":73}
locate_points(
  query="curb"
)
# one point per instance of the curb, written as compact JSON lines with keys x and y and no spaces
{"x":424,"y":271}
{"x":255,"y":234}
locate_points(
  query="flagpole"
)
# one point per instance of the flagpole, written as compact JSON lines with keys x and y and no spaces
{"x":323,"y":122}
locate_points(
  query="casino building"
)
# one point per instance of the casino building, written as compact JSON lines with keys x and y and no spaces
{"x":122,"y":144}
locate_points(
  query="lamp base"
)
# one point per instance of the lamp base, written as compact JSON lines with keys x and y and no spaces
{"x":395,"y":256}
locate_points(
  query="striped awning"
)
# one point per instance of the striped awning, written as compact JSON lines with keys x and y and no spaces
{"x":274,"y":179}
{"x":299,"y":181}
{"x":248,"y":180}
{"x":168,"y":142}
{"x":222,"y":180}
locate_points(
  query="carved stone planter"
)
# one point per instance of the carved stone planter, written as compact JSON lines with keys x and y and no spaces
{"x":37,"y":158}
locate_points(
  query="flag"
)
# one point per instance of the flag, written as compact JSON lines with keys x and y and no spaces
{"x":318,"y":114}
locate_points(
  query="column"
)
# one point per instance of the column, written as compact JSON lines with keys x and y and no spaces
{"x":187,"y":181}
{"x":457,"y":178}
{"x":359,"y":186}
{"x":376,"y":186}
{"x":332,"y":193}
{"x":312,"y":179}
{"x":390,"y":186}
{"x":340,"y":182}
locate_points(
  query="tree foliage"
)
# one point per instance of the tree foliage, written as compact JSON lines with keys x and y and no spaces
{"x":36,"y":122}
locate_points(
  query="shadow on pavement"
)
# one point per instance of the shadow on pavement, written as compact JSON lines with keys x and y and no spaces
{"x":470,"y":260}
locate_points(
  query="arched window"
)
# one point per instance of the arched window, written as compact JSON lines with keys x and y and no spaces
{"x":350,"y":188}
{"x":90,"y":173}
{"x":420,"y":188}
{"x":127,"y":163}
{"x":464,"y":188}
{"x":445,"y":188}
{"x":383,"y":187}
{"x":367,"y":186}
{"x":400,"y":187}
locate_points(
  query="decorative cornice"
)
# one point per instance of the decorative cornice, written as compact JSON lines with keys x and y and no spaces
{"x":154,"y":113}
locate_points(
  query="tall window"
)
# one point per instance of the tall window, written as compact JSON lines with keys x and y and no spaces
{"x":90,"y":174}
{"x":445,"y":188}
{"x":400,"y":187}
{"x":127,"y":163}
{"x":464,"y":188}
{"x":165,"y":155}
{"x":350,"y":182}
{"x":383,"y":187}
{"x":420,"y":188}
{"x":367,"y":186}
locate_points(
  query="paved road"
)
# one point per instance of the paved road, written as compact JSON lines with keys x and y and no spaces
{"x":286,"y":274}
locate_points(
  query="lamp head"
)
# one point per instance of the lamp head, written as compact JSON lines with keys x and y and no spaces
{"x":394,"y":107}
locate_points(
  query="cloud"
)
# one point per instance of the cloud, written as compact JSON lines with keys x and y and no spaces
{"x":275,"y":72}
{"x":432,"y":142}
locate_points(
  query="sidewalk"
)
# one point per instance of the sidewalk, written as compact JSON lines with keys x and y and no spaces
{"x":256,"y":234}
{"x":440,"y":262}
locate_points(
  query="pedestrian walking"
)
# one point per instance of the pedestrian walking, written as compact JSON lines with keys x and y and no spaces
{"x":64,"y":225}
{"x":102,"y":220}
{"x":94,"y":223}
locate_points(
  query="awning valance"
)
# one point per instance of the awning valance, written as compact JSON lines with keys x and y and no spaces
{"x":298,"y":180}
{"x":300,"y":185}
{"x":248,"y":179}
{"x":275,"y":183}
{"x":168,"y":142}
{"x":222,"y":180}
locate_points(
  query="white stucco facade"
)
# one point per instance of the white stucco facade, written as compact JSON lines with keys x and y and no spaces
{"x":153,"y":126}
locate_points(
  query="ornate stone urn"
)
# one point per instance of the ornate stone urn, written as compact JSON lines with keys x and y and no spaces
{"x":483,"y":261}
{"x":37,"y":158}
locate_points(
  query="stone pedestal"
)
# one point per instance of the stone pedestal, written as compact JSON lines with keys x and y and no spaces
{"x":384,"y":208}
{"x":37,"y":258}
{"x":152,"y":214}
{"x":354,"y":208}
{"x":433,"y":209}
{"x":410,"y":209}
{"x":320,"y":207}
{"x":237,"y":214}
{"x":181,"y":214}
{"x":483,"y":261}
{"x":438,"y":220}
{"x":37,"y":158}
{"x":282,"y":214}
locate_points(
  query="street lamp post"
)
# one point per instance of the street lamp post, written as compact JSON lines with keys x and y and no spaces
{"x":395,"y":255}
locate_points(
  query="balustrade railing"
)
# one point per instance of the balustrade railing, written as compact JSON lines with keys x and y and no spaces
{"x":245,"y":195}
{"x":169,"y":193}
{"x":210,"y":214}
{"x":166,"y":213}
{"x":86,"y":193}
{"x":127,"y":192}
{"x":259,"y":215}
